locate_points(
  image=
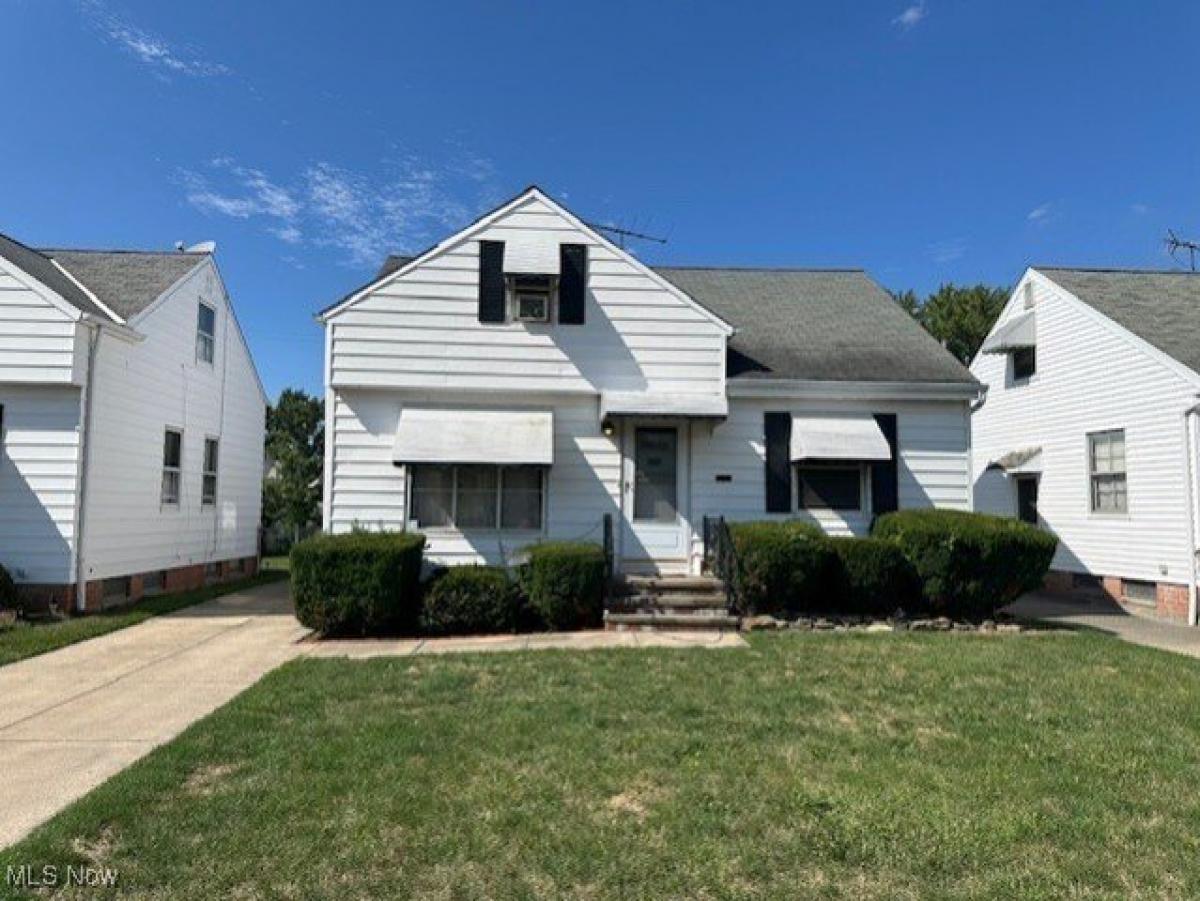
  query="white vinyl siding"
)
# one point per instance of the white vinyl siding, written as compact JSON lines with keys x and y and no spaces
{"x":141,"y":389}
{"x":39,"y":343}
{"x":39,"y":464}
{"x":369,"y":491}
{"x":933,"y":470}
{"x":1092,"y":377}
{"x":421,"y":330}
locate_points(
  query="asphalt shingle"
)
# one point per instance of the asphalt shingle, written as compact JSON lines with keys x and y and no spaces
{"x":1160,"y":307}
{"x":127,"y":281}
{"x":826,"y":325}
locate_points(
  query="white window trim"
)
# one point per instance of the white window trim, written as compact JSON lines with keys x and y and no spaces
{"x":1090,"y":475}
{"x":177,"y":504}
{"x":453,"y":528}
{"x":864,"y":488}
{"x":513,"y":305}
{"x":211,"y":338}
{"x":205,"y":472}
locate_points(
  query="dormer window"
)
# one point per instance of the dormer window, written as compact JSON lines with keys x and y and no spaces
{"x":531,"y":297}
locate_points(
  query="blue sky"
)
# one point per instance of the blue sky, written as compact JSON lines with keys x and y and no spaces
{"x":927,"y":142}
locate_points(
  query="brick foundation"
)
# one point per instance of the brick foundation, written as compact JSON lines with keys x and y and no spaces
{"x":61,"y":598}
{"x":1170,"y":600}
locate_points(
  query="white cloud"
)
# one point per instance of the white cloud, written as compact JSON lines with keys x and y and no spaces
{"x":947,"y":251}
{"x":157,"y":53}
{"x":406,"y":206}
{"x":1139,"y":209}
{"x":1040,"y":214}
{"x":911,"y":16}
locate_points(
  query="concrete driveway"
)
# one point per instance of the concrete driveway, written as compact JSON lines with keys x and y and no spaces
{"x":72,"y":718}
{"x":1108,"y":616}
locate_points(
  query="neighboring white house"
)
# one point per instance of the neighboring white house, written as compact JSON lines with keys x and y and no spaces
{"x":1089,"y":427}
{"x":131,"y":425}
{"x":525,"y":378}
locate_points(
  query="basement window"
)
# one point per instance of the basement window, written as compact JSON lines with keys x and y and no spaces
{"x":1139,"y":592}
{"x":531,"y":297}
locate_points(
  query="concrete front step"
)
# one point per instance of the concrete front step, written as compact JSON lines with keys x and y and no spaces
{"x":689,"y":601}
{"x":655,"y":620}
{"x":662,"y":584}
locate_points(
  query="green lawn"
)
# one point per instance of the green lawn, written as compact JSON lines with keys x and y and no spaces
{"x":855,"y":766}
{"x":27,"y":639}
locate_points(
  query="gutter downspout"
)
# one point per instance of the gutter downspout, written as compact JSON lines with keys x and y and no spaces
{"x":85,"y":451}
{"x":1190,"y":495}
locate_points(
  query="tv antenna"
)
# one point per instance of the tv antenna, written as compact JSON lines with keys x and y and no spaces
{"x":1176,"y":244}
{"x":624,"y":234}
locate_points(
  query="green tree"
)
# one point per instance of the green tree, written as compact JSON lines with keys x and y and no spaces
{"x":958,"y":316}
{"x":296,"y":447}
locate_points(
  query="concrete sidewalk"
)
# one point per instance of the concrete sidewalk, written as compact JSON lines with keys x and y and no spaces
{"x":1108,"y":616}
{"x":72,"y":718}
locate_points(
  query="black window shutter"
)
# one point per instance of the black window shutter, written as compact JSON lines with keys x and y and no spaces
{"x":885,"y":484}
{"x":572,"y":283}
{"x":777,"y":429}
{"x":491,"y":281}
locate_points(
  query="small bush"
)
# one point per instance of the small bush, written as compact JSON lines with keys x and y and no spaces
{"x":471,"y":600}
{"x":970,"y":564}
{"x":564,"y":584}
{"x":358,"y":583}
{"x":877,"y":579}
{"x":784,"y":568}
{"x":8,"y":591}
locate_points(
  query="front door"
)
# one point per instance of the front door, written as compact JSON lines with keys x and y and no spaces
{"x":655,"y":528}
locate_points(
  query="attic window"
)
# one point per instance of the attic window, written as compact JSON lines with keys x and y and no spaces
{"x":531,"y":297}
{"x":206,"y":333}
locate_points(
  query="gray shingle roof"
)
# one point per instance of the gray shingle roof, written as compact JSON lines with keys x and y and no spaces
{"x":41,"y":268}
{"x":1160,"y":307}
{"x":829,"y":325}
{"x":127,"y":281}
{"x":391,"y":264}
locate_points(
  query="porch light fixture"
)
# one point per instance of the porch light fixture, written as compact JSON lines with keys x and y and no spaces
{"x":607,"y":428}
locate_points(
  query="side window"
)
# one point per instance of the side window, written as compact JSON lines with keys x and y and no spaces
{"x":829,"y":486}
{"x":1024,"y":363}
{"x":171,"y":468}
{"x":206,"y":333}
{"x":208,"y":479}
{"x":1106,"y":472}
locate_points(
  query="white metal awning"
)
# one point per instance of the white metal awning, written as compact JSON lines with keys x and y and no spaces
{"x":838,"y":437}
{"x":657,"y":403}
{"x":1019,"y":332}
{"x":531,"y":254}
{"x":1026,"y":460}
{"x":474,"y":436}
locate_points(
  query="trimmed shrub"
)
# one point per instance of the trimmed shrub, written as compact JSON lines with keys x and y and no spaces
{"x":471,"y":600}
{"x":358,"y":583}
{"x":970,"y":564}
{"x":564,"y":583}
{"x":877,"y":579}
{"x":785,"y":568}
{"x":8,"y":590}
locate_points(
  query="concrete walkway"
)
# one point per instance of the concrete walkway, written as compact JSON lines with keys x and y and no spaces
{"x":1107,"y":616}
{"x":72,"y":718}
{"x":578,"y":641}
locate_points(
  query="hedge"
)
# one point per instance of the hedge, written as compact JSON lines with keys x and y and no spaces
{"x":970,"y":564}
{"x":358,"y":583}
{"x":471,"y":600}
{"x":784,"y":568}
{"x":8,"y":590}
{"x":877,"y":579}
{"x":563,"y":583}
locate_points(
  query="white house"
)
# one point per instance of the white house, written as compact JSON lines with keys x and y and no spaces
{"x":131,"y":425}
{"x":525,"y":378}
{"x":1089,"y":428}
